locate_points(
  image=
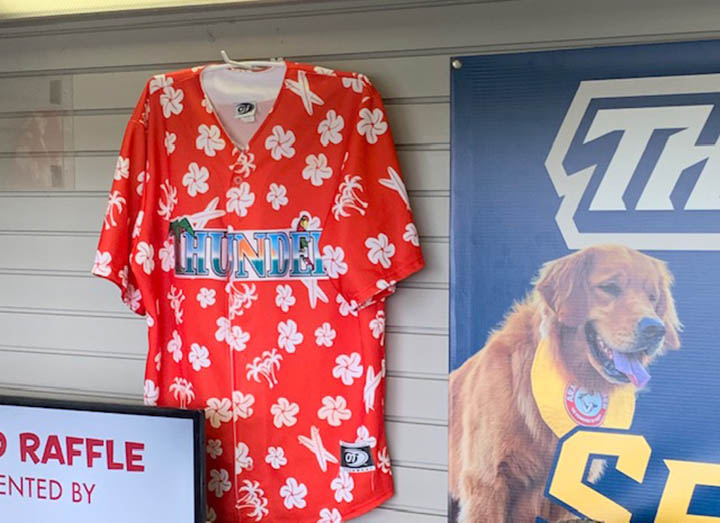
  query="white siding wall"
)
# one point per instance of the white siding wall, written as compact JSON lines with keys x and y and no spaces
{"x":65,"y":334}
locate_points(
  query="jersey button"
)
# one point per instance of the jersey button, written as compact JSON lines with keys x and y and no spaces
{"x":237,"y":179}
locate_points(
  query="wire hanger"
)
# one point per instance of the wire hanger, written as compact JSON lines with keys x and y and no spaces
{"x":250,"y":64}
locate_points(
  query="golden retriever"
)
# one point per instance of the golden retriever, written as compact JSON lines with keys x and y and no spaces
{"x":599,"y":306}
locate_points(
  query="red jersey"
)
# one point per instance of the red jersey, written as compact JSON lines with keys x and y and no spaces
{"x":259,"y":220}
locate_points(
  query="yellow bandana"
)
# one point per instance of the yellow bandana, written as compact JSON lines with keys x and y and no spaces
{"x":563,"y":406}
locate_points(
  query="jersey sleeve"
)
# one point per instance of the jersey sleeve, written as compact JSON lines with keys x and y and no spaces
{"x":122,"y":256}
{"x":369,"y":241}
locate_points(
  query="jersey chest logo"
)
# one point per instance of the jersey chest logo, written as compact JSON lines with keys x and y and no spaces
{"x":251,"y":255}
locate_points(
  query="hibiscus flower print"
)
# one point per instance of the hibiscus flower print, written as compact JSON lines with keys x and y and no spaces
{"x":411,"y":234}
{"x":363,"y":436}
{"x":174,"y":347}
{"x":196,"y":180}
{"x":170,"y":139}
{"x":243,"y":461}
{"x":371,"y":124}
{"x":347,"y":368}
{"x":293,"y":494}
{"x":284,"y":413}
{"x":159,"y":81}
{"x":324,"y":70}
{"x":219,"y":482}
{"x":316,"y":169}
{"x":325,"y":335}
{"x":240,"y":199}
{"x":199,"y":357}
{"x":343,"y":486}
{"x":276,"y":457}
{"x":122,"y":168}
{"x":242,"y":405}
{"x":132,"y":297}
{"x":380,"y":250}
{"x":214,"y":448}
{"x":288,"y":336}
{"x":334,"y":410}
{"x":384,"y":461}
{"x":284,"y":298}
{"x":218,"y":411}
{"x":237,"y":338}
{"x":330,"y":128}
{"x":209,"y":139}
{"x":167,"y":255}
{"x":277,"y":196}
{"x":142,"y":177}
{"x":347,"y":307}
{"x":151,"y":393}
{"x":377,"y":326}
{"x":333,"y":261}
{"x":280,"y":143}
{"x":206,"y":297}
{"x":355,"y":82}
{"x":101,"y":267}
{"x":171,"y":101}
{"x":330,"y":516}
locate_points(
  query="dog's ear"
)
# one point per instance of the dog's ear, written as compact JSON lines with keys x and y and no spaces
{"x":665,"y":308}
{"x":563,"y":285}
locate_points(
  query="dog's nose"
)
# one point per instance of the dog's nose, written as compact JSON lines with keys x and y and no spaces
{"x":651,"y":330}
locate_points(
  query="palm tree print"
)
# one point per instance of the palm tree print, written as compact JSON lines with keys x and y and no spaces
{"x":265,"y":366}
{"x":252,"y":497}
{"x":115,"y":201}
{"x":182,"y":391}
{"x":348,"y":198}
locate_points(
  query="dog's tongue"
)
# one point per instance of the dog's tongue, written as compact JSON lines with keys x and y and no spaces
{"x":632,"y":368}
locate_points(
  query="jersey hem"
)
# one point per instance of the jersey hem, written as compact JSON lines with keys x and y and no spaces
{"x":369,"y":505}
{"x":112,"y":277}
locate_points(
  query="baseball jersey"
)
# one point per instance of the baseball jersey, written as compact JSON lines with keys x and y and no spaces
{"x":259,"y":220}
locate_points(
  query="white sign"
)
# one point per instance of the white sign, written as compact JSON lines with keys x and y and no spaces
{"x":80,"y":466}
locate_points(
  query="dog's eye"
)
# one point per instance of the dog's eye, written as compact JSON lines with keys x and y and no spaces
{"x":612,"y":289}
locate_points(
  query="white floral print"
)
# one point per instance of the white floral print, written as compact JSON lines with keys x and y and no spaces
{"x":356,"y":82}
{"x":325,"y":335}
{"x":235,"y":337}
{"x":265,"y":366}
{"x":334,"y":410}
{"x":316,"y":169}
{"x":211,"y":515}
{"x":347,"y":368}
{"x":277,"y":196}
{"x":371,"y":124}
{"x":142,"y":178}
{"x":171,"y":101}
{"x":363,"y":436}
{"x":293,"y":494}
{"x":150,"y":393}
{"x":174,"y":347}
{"x":144,"y":257}
{"x":101,"y":267}
{"x":182,"y":391}
{"x":176,"y":298}
{"x":243,"y":461}
{"x":240,"y":199}
{"x":384,"y":461}
{"x":347,"y":307}
{"x":330,"y":128}
{"x":138,"y":224}
{"x":199,"y":357}
{"x":377,"y":326}
{"x":330,"y":516}
{"x":280,"y":143}
{"x":284,"y":413}
{"x":196,"y":180}
{"x":242,"y":405}
{"x":288,"y":336}
{"x":276,"y":457}
{"x":244,"y":163}
{"x":132,"y":297}
{"x":284,"y":297}
{"x":333,"y":261}
{"x":170,"y":139}
{"x":206,"y":297}
{"x":209,"y":140}
{"x":343,"y":486}
{"x":207,"y":105}
{"x":219,"y":482}
{"x":324,"y":70}
{"x":411,"y":234}
{"x":380,"y":250}
{"x":122,"y":168}
{"x":167,"y":255}
{"x":218,"y":411}
{"x":159,"y":81}
{"x":214,"y":448}
{"x":240,"y":300}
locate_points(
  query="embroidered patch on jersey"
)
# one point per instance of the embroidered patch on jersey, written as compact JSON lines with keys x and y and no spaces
{"x":356,"y":457}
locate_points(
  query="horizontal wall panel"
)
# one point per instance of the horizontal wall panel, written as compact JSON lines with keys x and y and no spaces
{"x":36,"y":133}
{"x":406,"y":77}
{"x":418,"y":489}
{"x":47,"y":172}
{"x":39,"y":93}
{"x":418,"y":444}
{"x":411,"y":354}
{"x":83,"y":213}
{"x":413,"y":399}
{"x":422,"y":308}
{"x":77,"y":253}
{"x":422,"y":170}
